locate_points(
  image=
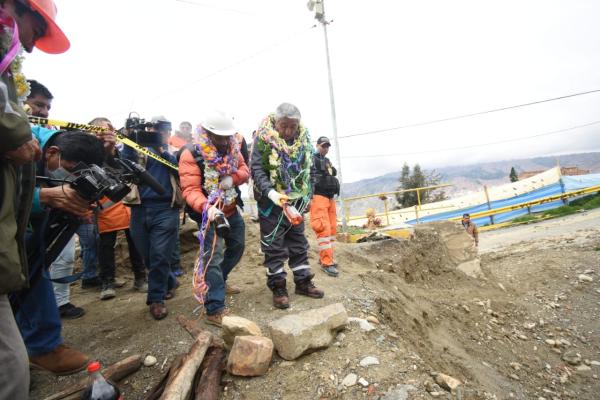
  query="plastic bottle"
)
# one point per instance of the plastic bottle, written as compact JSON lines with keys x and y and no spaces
{"x":98,"y":387}
{"x":292,"y":214}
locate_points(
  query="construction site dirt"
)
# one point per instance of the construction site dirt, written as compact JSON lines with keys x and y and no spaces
{"x":516,"y":319}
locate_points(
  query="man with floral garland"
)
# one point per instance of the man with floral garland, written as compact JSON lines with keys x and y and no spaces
{"x":281,"y":169}
{"x":34,"y":21}
{"x":209,"y":173}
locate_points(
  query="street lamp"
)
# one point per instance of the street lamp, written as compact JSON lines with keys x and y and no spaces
{"x":319,"y":8}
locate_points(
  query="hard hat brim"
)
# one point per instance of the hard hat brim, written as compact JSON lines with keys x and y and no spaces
{"x":54,"y":41}
{"x":222,"y":133}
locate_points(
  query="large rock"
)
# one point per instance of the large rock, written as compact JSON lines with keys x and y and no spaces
{"x":250,"y":356}
{"x":237,"y":326}
{"x":294,"y":335}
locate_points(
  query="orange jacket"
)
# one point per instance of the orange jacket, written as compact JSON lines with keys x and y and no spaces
{"x":114,"y":218}
{"x":190,"y":177}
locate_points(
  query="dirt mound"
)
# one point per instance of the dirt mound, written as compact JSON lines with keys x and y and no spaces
{"x":433,"y":249}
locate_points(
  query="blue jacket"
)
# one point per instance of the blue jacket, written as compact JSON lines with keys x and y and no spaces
{"x":160,"y":172}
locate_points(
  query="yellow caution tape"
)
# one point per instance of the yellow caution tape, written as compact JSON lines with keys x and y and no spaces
{"x":97,"y":129}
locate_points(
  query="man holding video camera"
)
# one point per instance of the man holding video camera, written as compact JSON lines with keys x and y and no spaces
{"x":37,"y":313}
{"x":154,"y":215}
{"x":210,"y":173}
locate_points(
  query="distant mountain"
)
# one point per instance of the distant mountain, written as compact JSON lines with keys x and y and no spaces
{"x":466,"y":178}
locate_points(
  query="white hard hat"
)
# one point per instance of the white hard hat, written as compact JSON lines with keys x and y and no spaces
{"x":219,"y":123}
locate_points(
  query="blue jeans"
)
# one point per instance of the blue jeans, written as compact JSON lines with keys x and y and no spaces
{"x":154,"y":231}
{"x":228,"y":252}
{"x":37,"y":316}
{"x":88,"y":241}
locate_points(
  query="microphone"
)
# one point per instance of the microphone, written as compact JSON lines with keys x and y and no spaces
{"x":142,"y":177}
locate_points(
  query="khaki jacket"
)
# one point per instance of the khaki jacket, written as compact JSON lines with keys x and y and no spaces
{"x":16,"y":191}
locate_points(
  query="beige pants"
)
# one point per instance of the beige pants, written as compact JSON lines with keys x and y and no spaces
{"x":14,"y":373}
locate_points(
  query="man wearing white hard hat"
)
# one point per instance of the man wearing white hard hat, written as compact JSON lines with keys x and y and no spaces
{"x":34,"y":22}
{"x":209,"y":173}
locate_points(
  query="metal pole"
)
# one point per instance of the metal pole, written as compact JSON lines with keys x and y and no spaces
{"x":334,"y":120}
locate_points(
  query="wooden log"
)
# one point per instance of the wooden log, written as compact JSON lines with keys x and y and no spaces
{"x":208,"y":386}
{"x":114,"y":372}
{"x":181,"y":385}
{"x":167,"y":377}
{"x":190,"y":326}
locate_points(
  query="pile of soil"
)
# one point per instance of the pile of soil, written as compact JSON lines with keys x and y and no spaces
{"x":433,"y":249}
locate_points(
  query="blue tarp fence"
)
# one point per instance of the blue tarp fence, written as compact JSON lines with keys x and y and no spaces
{"x":566,"y":184}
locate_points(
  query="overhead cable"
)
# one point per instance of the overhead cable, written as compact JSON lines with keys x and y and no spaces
{"x":476,"y":145}
{"x":436,"y":121}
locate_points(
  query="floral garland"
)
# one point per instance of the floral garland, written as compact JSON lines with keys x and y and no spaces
{"x":21,"y":84}
{"x":288,"y":165}
{"x":216,"y":166}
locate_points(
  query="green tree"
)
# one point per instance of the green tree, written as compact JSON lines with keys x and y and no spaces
{"x":513,"y":175}
{"x":418,"y":179}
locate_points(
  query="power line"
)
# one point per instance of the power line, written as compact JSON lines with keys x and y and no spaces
{"x":477,"y":145}
{"x":435,"y":121}
{"x":234,"y":64}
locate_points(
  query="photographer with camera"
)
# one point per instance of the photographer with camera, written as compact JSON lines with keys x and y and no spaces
{"x":37,"y":313}
{"x":210,"y":172}
{"x":154,"y":216}
{"x":39,"y":101}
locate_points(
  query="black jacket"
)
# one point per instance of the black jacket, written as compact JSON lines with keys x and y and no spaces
{"x":324,"y":174}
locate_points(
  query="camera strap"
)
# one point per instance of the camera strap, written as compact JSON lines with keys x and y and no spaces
{"x":97,"y":129}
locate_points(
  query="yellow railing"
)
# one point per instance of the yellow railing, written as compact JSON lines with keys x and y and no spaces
{"x":532,"y":203}
{"x":384,"y":197}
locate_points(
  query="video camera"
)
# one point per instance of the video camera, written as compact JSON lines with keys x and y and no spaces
{"x":146,"y":134}
{"x":92,"y":183}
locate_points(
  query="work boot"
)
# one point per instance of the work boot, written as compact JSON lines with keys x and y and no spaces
{"x":63,"y":360}
{"x":217,"y":319}
{"x":280,"y":296}
{"x":330,"y":270}
{"x":158,"y":311}
{"x":69,"y":311}
{"x":308,"y":288}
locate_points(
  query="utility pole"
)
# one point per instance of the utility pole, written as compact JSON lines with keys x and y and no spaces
{"x":319,"y":8}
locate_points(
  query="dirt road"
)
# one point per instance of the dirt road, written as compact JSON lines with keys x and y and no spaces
{"x":527,"y":329}
{"x":552,"y":228}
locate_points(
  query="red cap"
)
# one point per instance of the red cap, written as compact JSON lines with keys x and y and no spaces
{"x":93,"y":366}
{"x":54,"y":41}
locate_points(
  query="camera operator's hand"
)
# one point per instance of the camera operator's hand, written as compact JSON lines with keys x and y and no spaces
{"x":212,"y":213}
{"x":226,"y":183}
{"x":25,"y":153}
{"x":109,"y":140}
{"x":65,"y":198}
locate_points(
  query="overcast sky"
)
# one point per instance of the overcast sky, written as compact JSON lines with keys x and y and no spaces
{"x":394,"y":63}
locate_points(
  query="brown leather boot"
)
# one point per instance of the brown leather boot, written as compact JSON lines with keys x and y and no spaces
{"x":63,"y":360}
{"x":280,"y":296}
{"x":308,"y":288}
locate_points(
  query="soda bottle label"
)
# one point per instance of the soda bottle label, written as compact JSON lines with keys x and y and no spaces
{"x":292,"y":214}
